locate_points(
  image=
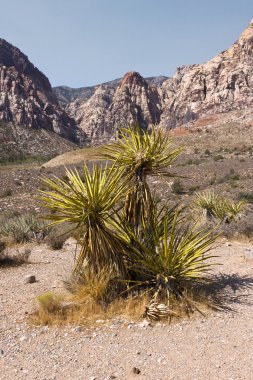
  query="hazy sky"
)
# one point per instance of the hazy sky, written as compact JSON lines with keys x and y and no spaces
{"x":84,"y":42}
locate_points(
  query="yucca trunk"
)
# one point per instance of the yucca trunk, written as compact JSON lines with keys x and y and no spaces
{"x":101,"y":247}
{"x":139,"y":204}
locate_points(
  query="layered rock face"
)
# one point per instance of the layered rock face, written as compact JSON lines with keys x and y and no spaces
{"x":110,"y":107}
{"x":223,"y":84}
{"x":26,"y":96}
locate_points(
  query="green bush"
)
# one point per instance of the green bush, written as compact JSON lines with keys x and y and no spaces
{"x":218,"y":157}
{"x":23,"y":228}
{"x":210,"y":206}
{"x":177,"y":187}
{"x":247,"y":196}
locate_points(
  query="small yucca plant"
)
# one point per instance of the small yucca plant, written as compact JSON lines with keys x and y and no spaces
{"x":89,"y":204}
{"x":210,"y":206}
{"x":23,"y":228}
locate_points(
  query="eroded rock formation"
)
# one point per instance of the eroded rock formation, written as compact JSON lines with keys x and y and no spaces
{"x":26,"y":96}
{"x":109,"y":108}
{"x":223,"y":84}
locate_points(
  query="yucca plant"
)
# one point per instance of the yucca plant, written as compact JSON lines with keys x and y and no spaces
{"x":179,"y":257}
{"x":211,"y":206}
{"x":141,"y":154}
{"x":235,"y":209}
{"x":23,"y":228}
{"x":89,"y":204}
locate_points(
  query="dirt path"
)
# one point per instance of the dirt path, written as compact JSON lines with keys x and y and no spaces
{"x":215,"y":347}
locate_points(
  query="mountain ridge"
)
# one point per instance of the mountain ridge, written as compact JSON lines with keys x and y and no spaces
{"x":66,"y":94}
{"x":222,"y":84}
{"x":27,"y":99}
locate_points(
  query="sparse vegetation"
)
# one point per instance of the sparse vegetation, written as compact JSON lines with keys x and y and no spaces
{"x":218,"y":157}
{"x":247,"y":196}
{"x":211,"y":206}
{"x":57,"y":236}
{"x":6,"y":193}
{"x":23,"y":228}
{"x":177,"y":187}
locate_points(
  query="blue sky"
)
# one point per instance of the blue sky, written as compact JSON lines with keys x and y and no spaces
{"x":84,"y":42}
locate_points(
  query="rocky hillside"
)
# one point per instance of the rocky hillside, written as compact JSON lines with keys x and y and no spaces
{"x":110,"y":107}
{"x":66,"y":94}
{"x":223,"y":84}
{"x":27,"y":99}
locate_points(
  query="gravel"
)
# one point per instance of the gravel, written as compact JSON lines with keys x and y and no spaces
{"x":215,"y":346}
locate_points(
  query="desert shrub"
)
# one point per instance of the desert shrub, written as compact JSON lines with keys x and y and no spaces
{"x":13,"y":257}
{"x":6,"y":193}
{"x":247,"y":196}
{"x":210,"y":206}
{"x":177,"y":187}
{"x":57,"y":236}
{"x":212,"y":180}
{"x":218,"y":157}
{"x":50,"y":301}
{"x":229,"y":177}
{"x":192,"y":189}
{"x":23,"y":228}
{"x":55,"y":242}
{"x":207,"y":152}
{"x":123,"y":227}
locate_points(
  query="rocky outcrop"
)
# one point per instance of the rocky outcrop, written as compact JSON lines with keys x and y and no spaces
{"x":26,"y":96}
{"x":109,"y":108}
{"x":223,"y":84}
{"x":67,"y":94}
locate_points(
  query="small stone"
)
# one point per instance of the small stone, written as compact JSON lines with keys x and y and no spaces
{"x":144,"y":324}
{"x":30,"y":279}
{"x":24,"y":252}
{"x":78,"y":329}
{"x":1,"y":352}
{"x":136,"y":370}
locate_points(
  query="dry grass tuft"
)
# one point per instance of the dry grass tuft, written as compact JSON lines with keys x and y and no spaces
{"x":90,"y":297}
{"x":55,"y":310}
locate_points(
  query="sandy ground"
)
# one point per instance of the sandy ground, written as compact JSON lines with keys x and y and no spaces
{"x":215,"y":346}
